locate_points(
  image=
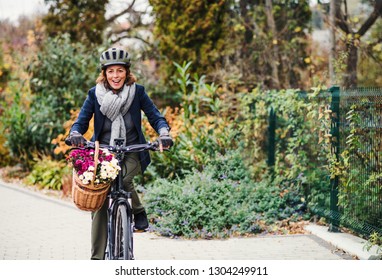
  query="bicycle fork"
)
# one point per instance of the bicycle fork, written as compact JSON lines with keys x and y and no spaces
{"x":125,"y":199}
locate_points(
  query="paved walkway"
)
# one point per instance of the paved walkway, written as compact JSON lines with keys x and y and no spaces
{"x":34,"y":226}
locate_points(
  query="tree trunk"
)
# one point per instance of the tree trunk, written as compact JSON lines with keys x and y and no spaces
{"x":245,"y":52}
{"x":332,"y":42}
{"x":274,"y":61}
{"x":350,"y":79}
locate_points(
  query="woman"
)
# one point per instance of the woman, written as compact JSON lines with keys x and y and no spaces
{"x":116,"y":103}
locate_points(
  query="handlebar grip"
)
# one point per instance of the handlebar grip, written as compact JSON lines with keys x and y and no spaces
{"x":68,"y":141}
{"x":155,"y":145}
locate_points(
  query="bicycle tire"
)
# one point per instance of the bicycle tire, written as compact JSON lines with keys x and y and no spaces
{"x":123,"y":238}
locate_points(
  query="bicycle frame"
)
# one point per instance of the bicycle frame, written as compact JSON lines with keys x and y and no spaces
{"x":117,"y":197}
{"x":120,"y":199}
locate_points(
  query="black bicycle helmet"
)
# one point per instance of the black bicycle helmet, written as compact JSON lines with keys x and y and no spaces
{"x":114,"y":56}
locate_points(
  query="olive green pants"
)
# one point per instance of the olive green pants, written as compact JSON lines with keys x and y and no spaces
{"x":131,"y":168}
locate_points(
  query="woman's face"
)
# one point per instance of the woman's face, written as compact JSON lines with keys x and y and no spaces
{"x":116,"y":76}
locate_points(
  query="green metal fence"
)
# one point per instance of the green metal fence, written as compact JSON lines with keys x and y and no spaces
{"x":353,"y":199}
{"x":357,"y":143}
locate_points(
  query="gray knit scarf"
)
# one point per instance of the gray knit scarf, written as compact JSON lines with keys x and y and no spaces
{"x":115,"y":106}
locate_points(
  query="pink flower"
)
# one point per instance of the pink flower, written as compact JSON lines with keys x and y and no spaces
{"x":82,"y":161}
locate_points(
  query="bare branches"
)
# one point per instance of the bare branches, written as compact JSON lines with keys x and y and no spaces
{"x":129,"y":9}
{"x":127,"y":24}
{"x":377,"y":12}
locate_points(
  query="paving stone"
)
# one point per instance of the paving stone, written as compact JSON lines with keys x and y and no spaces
{"x":36,"y":227}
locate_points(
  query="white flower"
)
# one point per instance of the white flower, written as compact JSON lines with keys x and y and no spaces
{"x":106,"y":171}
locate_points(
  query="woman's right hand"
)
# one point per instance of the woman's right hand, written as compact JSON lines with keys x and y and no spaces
{"x":77,"y":139}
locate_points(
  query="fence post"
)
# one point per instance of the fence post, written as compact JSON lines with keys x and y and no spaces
{"x":271,"y":138}
{"x":335,"y":149}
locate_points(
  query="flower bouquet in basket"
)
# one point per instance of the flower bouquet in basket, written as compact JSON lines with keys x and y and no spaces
{"x":83,"y":162}
{"x":93,"y":172}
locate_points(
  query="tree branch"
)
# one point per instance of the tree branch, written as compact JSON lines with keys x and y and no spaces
{"x":114,"y":17}
{"x":340,"y":18}
{"x":377,"y":12}
{"x":128,"y":36}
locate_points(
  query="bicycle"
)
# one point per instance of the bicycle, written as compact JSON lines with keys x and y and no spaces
{"x":120,"y":226}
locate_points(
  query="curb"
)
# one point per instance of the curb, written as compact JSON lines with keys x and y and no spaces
{"x":349,"y":243}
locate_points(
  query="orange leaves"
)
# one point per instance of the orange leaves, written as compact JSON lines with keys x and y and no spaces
{"x":59,"y":141}
{"x":172,"y":115}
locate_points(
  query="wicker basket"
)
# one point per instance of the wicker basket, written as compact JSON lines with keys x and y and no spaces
{"x":89,"y":197}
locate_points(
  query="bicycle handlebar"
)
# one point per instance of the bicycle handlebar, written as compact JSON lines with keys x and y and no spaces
{"x":154,"y":146}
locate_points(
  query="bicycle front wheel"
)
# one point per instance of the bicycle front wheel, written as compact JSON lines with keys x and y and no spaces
{"x":123,"y":238}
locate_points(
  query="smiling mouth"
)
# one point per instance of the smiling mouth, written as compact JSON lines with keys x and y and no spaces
{"x":116,"y":85}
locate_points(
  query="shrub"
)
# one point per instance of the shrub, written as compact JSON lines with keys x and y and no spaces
{"x":219,"y":201}
{"x":48,"y":174}
{"x":202,"y":128}
{"x":16,"y":131}
{"x":61,"y":76}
